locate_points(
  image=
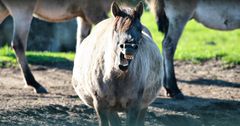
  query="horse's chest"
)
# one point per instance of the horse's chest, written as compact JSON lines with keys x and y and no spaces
{"x":121,"y":95}
{"x":122,"y":102}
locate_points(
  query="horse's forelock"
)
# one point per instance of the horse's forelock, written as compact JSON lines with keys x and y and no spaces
{"x":123,"y":23}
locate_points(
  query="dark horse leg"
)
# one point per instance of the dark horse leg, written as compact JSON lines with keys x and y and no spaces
{"x":177,"y":17}
{"x":169,"y":46}
{"x":22,"y":17}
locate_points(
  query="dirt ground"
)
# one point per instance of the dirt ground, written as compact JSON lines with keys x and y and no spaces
{"x":212,"y":98}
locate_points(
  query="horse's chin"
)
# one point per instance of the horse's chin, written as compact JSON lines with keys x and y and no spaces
{"x":123,"y":68}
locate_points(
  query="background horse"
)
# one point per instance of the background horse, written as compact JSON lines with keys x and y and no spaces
{"x":118,"y":68}
{"x":172,"y":16}
{"x":22,"y":11}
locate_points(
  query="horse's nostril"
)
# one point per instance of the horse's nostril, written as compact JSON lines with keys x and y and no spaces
{"x":135,"y":46}
{"x":122,"y":45}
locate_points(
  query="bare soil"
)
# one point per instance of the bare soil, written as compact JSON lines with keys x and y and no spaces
{"x":211,"y":89}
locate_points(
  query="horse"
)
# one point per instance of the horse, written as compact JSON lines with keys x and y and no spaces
{"x":88,"y":12}
{"x":118,"y":67}
{"x":171,"y":18}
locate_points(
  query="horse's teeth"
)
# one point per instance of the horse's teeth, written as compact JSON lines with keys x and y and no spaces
{"x":129,"y":57}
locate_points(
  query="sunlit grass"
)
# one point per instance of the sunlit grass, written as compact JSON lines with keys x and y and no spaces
{"x":197,"y":44}
{"x":7,"y":57}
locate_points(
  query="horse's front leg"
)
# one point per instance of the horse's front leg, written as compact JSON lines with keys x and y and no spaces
{"x":21,"y":12}
{"x":178,"y":14}
{"x":141,"y":117}
{"x":135,"y":116}
{"x":114,"y":119}
{"x":103,"y":114}
{"x":169,"y":45}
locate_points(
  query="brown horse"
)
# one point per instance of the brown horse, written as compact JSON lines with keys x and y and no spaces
{"x":118,"y":67}
{"x":172,"y":16}
{"x":22,"y":11}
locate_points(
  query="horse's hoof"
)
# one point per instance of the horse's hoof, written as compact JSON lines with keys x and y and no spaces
{"x":41,"y":90}
{"x":175,"y":95}
{"x":178,"y":96}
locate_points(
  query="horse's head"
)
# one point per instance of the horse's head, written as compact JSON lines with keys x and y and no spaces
{"x":127,"y":33}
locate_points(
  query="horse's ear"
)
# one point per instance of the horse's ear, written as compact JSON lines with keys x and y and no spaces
{"x":116,"y":11}
{"x":139,"y":9}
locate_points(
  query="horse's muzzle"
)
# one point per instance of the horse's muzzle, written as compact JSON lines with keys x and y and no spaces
{"x":124,"y":63}
{"x":128,"y":50}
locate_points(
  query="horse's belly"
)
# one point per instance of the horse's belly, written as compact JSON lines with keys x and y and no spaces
{"x":56,"y":11}
{"x":222,"y":15}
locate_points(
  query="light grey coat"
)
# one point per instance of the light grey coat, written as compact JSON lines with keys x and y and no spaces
{"x":95,"y":69}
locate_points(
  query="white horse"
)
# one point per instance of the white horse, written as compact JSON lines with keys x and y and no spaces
{"x":172,"y":16}
{"x":22,"y":11}
{"x":118,"y":68}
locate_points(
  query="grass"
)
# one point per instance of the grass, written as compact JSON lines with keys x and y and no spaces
{"x":8,"y":59}
{"x":197,"y":44}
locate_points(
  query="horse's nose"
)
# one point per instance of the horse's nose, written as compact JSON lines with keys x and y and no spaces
{"x":122,"y":46}
{"x":128,"y":49}
{"x":135,"y":46}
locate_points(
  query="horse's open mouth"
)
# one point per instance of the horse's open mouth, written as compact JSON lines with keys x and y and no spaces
{"x":125,"y":60}
{"x":128,"y":57}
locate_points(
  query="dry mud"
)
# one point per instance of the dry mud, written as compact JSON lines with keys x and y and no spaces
{"x":212,"y":98}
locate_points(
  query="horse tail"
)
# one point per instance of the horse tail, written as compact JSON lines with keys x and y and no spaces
{"x":157,"y":6}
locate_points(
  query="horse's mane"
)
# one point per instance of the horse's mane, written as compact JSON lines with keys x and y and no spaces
{"x":124,"y":21}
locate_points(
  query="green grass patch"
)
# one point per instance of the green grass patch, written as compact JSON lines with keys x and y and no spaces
{"x":49,"y":57}
{"x":8,"y":59}
{"x":197,"y":44}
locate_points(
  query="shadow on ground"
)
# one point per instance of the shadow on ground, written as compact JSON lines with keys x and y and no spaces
{"x":50,"y":115}
{"x":195,"y":111}
{"x":192,"y":111}
{"x":207,"y":82}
